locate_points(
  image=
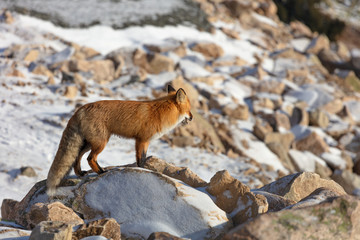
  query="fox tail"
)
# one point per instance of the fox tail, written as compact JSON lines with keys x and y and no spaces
{"x":70,"y":145}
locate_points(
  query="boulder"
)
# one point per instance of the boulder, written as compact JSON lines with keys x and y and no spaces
{"x":312,"y":143}
{"x":70,"y":91}
{"x":299,"y":185}
{"x":347,"y":179}
{"x":282,"y":153}
{"x":209,"y":50}
{"x":317,"y":44}
{"x":335,"y":218}
{"x":55,"y":211}
{"x":276,"y":202}
{"x":153,"y":63}
{"x":261,"y":128}
{"x":145,"y":202}
{"x":163,"y":236}
{"x":48,"y":230}
{"x":236,"y":111}
{"x":285,"y":139}
{"x":101,"y":71}
{"x":106,"y":227}
{"x":318,"y":118}
{"x":181,"y":173}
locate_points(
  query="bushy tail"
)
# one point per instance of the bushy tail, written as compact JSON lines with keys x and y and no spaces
{"x":69,"y":148}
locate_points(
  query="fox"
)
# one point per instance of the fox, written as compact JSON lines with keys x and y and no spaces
{"x":91,"y":126}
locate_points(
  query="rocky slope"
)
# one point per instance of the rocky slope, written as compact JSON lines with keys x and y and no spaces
{"x":271,"y":98}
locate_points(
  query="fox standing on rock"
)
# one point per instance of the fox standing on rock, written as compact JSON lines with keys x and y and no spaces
{"x":92,"y":125}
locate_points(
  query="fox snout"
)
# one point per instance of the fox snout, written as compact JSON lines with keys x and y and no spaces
{"x":187,"y":119}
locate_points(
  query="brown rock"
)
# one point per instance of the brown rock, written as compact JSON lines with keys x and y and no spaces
{"x":52,"y":231}
{"x":240,"y":112}
{"x":227,"y":190}
{"x":271,"y":86}
{"x":281,"y":122}
{"x":101,"y":70}
{"x":230,"y":33}
{"x":162,"y":236}
{"x":317,"y":44}
{"x":209,"y":50}
{"x":32,"y":55}
{"x":28,"y":171}
{"x":276,"y":203}
{"x":299,"y":185}
{"x":70,"y":91}
{"x":16,"y":73}
{"x":318,"y":118}
{"x":181,"y":173}
{"x":340,"y":214}
{"x":285,"y":139}
{"x":7,"y":17}
{"x":107,"y":227}
{"x":356,"y":167}
{"x":333,"y":107}
{"x":42,"y":70}
{"x":55,"y":211}
{"x":299,"y":30}
{"x":323,"y":170}
{"x":282,"y":153}
{"x":153,"y":63}
{"x":299,"y":116}
{"x":8,"y":209}
{"x":312,"y":143}
{"x":347,"y":179}
{"x":262,"y":128}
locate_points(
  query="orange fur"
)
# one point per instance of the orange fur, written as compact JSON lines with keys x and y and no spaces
{"x":92,"y":125}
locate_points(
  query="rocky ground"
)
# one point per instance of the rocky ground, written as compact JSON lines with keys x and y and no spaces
{"x":274,"y":99}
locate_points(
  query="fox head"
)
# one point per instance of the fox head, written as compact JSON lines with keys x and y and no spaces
{"x":183,"y":103}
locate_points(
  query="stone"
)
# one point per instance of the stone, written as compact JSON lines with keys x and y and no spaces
{"x":106,"y":227}
{"x":230,"y":33}
{"x":299,"y":185}
{"x":340,"y":214}
{"x":283,"y":155}
{"x":6,"y":17}
{"x":271,"y":86}
{"x":312,"y":143}
{"x":333,"y":107}
{"x":319,"y":119}
{"x":299,"y":30}
{"x":285,"y":139}
{"x":227,"y":190}
{"x":323,"y":170}
{"x":239,"y":111}
{"x":163,"y":236}
{"x":28,"y":171}
{"x":276,"y":203}
{"x":101,"y":71}
{"x":42,"y":70}
{"x":317,"y":44}
{"x":15,"y":73}
{"x":8,"y":209}
{"x":55,"y":211}
{"x":299,"y":117}
{"x":70,"y":91}
{"x":302,"y":161}
{"x":261,"y":128}
{"x":153,"y":63}
{"x":209,"y":50}
{"x":32,"y":55}
{"x":347,"y":179}
{"x":181,"y":173}
{"x":173,"y":198}
{"x":48,"y":230}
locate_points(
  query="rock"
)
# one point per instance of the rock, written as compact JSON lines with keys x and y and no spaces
{"x":153,"y":63}
{"x":28,"y":171}
{"x":181,"y":173}
{"x":356,"y":167}
{"x":107,"y":227}
{"x":347,"y":179}
{"x":299,"y":29}
{"x":55,"y":211}
{"x":319,"y":119}
{"x":299,"y":117}
{"x":282,"y":153}
{"x":101,"y":71}
{"x":312,"y":143}
{"x":226,"y":190}
{"x":162,"y":236}
{"x":317,"y":44}
{"x":70,"y":91}
{"x":236,"y":111}
{"x":285,"y":139}
{"x":209,"y":50}
{"x":235,"y":198}
{"x":323,"y":170}
{"x":15,"y":73}
{"x":6,"y":17}
{"x":42,"y":70}
{"x":276,"y":203}
{"x":261,"y":128}
{"x":32,"y":55}
{"x":8,"y":209}
{"x":170,"y":199}
{"x":333,"y":107}
{"x":302,"y":161}
{"x":52,"y":231}
{"x":230,"y":33}
{"x":341,"y":214}
{"x":299,"y":185}
{"x":271,"y":86}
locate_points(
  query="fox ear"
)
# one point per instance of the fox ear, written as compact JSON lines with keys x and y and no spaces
{"x":180,"y":95}
{"x":171,"y":89}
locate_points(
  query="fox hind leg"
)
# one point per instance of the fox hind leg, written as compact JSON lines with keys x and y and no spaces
{"x":77,"y":166}
{"x":96,"y":149}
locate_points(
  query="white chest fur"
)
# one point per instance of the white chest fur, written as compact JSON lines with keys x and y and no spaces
{"x":168,"y":128}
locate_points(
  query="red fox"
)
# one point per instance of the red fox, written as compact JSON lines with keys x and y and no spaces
{"x":92,"y":125}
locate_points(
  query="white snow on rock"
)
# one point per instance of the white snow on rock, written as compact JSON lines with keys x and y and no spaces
{"x":354,"y":109}
{"x":144,"y":202}
{"x":304,"y":162}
